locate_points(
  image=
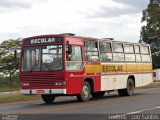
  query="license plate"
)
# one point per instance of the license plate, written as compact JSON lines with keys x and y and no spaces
{"x":39,"y":91}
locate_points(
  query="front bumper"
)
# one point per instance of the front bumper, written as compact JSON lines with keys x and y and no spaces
{"x":42,"y":91}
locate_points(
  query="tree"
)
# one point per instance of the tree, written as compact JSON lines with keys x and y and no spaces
{"x":150,"y":33}
{"x":9,"y":61}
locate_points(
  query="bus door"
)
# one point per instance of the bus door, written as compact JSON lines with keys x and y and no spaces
{"x":74,"y":68}
{"x":92,"y":63}
{"x":106,"y":58}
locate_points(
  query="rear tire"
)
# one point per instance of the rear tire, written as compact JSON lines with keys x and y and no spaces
{"x":86,"y":92}
{"x":48,"y":98}
{"x":129,"y":90}
{"x":98,"y":94}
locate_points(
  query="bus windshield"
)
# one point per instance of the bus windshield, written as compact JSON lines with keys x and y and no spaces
{"x":42,"y":58}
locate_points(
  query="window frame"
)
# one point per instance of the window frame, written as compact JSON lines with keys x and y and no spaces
{"x":138,"y":48}
{"x":138,"y":53}
{"x":100,"y":53}
{"x":116,"y":51}
{"x":129,"y":53}
{"x":125,"y":45}
{"x":40,"y":47}
{"x":122,"y":44}
{"x":91,"y":51}
{"x":147,"y":50}
{"x":145,"y":54}
{"x":82,"y":65}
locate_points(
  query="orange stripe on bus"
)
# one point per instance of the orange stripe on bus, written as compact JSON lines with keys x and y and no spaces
{"x":118,"y":68}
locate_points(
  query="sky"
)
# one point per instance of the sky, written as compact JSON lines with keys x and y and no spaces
{"x":118,"y":19}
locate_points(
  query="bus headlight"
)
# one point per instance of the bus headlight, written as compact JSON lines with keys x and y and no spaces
{"x":25,"y":84}
{"x":60,"y":83}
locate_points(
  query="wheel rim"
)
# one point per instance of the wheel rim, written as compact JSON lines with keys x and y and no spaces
{"x":130,"y":87}
{"x":85,"y":91}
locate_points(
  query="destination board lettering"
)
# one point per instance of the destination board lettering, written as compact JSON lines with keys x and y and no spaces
{"x":112,"y":68}
{"x":42,"y":40}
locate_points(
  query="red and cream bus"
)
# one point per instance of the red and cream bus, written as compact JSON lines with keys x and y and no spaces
{"x":65,"y":64}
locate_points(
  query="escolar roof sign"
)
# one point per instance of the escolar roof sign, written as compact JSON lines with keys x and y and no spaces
{"x":42,"y":40}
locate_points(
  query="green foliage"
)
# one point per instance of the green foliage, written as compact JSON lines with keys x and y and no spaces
{"x":8,"y":44}
{"x":150,"y":32}
{"x":9,"y":64}
{"x":2,"y":52}
{"x":8,"y":61}
{"x":5,"y":81}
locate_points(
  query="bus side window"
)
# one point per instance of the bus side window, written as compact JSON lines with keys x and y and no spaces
{"x":129,"y":53}
{"x":105,"y":51}
{"x":91,"y":51}
{"x":74,"y":60}
{"x":137,"y":53}
{"x":145,"y":54}
{"x":118,"y":53}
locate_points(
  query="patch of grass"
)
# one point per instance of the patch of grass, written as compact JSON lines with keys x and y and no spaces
{"x":9,"y":89}
{"x":5,"y":84}
{"x":16,"y":98}
{"x":5,"y":81}
{"x":156,"y":80}
{"x":150,"y":86}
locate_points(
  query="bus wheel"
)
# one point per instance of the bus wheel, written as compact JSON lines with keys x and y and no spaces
{"x":98,"y":94}
{"x":129,"y":90}
{"x":48,"y":98}
{"x":85,"y":94}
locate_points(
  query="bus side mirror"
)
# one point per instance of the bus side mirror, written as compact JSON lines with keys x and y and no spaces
{"x":69,"y":48}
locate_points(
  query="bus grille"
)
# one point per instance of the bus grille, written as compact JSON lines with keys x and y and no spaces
{"x":41,"y":79}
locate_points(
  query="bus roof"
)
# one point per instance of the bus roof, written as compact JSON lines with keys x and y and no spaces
{"x":72,"y":35}
{"x":61,"y":35}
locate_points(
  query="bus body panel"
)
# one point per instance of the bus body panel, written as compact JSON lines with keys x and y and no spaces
{"x":104,"y":76}
{"x":93,"y":71}
{"x":74,"y":82}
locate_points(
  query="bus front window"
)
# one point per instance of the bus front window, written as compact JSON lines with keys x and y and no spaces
{"x":42,"y":58}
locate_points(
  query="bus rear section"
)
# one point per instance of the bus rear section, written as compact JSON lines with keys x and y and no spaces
{"x":125,"y":66}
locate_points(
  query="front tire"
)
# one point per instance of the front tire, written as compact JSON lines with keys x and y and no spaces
{"x":86,"y":92}
{"x":48,"y":98}
{"x":129,"y":90}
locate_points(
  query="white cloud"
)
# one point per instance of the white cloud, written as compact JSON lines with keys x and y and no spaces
{"x":12,"y":5}
{"x":94,"y":18}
